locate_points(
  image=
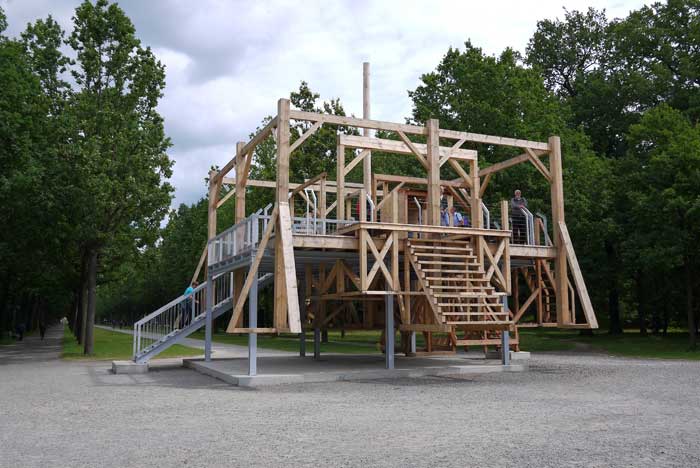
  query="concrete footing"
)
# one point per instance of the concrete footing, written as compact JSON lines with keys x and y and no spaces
{"x":129,"y":367}
{"x":288,"y":370}
{"x":519,"y":355}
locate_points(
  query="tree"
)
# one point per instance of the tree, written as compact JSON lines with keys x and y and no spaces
{"x":121,"y":162}
{"x":662,"y":176}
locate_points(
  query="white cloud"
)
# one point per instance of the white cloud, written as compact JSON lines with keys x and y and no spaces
{"x":229,"y":61}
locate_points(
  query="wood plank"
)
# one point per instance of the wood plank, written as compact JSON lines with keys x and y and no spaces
{"x":400,"y":147}
{"x":248,"y":148}
{"x":416,"y":152}
{"x":199,"y":264}
{"x":578,"y":277}
{"x":307,"y":184}
{"x":306,"y":135}
{"x":416,"y":130}
{"x":363,"y":154}
{"x":414,"y":180}
{"x":290,"y":273}
{"x":252,"y":272}
{"x":539,"y":165}
{"x":557,"y":200}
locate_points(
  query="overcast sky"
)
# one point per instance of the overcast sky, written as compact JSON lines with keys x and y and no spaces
{"x":227,"y":62}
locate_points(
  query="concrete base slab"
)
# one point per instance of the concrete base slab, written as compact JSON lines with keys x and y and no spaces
{"x":519,"y":355}
{"x":129,"y":367}
{"x":334,"y":368}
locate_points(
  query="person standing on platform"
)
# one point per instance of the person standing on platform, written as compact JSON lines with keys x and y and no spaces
{"x":517,"y":203}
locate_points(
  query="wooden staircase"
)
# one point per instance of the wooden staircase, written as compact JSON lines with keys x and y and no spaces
{"x":456,"y":286}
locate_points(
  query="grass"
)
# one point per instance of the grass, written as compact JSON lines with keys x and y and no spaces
{"x":6,"y":340}
{"x":111,"y":345}
{"x":630,"y":344}
{"x":355,"y":342}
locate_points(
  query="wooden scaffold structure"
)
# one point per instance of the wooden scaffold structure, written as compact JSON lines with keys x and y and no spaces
{"x":377,"y":255}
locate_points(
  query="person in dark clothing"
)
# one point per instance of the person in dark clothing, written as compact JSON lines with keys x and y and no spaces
{"x":42,"y":330}
{"x":20,"y":331}
{"x":517,"y":203}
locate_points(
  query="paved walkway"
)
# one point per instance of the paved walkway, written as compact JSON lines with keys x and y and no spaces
{"x":33,"y":349}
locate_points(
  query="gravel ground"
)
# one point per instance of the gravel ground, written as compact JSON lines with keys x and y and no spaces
{"x":568,"y":410}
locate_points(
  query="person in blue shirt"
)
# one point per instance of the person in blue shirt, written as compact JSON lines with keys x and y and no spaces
{"x":458,"y":219}
{"x":186,"y":312}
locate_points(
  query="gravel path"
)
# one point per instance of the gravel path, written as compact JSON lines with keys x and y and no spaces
{"x":587,"y":410}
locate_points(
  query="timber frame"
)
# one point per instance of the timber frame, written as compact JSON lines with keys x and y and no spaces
{"x":363,"y":244}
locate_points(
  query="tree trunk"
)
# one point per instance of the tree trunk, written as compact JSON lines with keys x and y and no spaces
{"x":692,"y":325}
{"x":90,"y":319}
{"x":615,"y":326}
{"x":641,"y":304}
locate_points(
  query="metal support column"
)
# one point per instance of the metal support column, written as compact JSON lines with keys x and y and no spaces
{"x":208,"y":320}
{"x":253,"y":323}
{"x":505,"y":339}
{"x":302,"y":311}
{"x":317,"y":343}
{"x":389,"y":332}
{"x":413,"y":342}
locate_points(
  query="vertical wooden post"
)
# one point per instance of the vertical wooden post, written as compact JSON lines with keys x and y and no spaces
{"x":433,"y":145}
{"x":557,"y":194}
{"x":367,"y":162}
{"x":211,"y":233}
{"x":506,"y":250}
{"x":395,"y":246}
{"x":340,"y":183}
{"x":282,"y":193}
{"x":476,"y":213}
{"x":239,"y":215}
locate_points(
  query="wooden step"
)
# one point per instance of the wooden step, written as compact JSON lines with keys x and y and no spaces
{"x":454,"y":280}
{"x":463,"y":248}
{"x":438,"y":241}
{"x":444,"y":255}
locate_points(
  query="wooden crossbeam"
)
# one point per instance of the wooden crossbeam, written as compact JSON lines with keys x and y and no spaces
{"x":416,"y":130}
{"x":252,"y":272}
{"x":578,"y":277}
{"x":290,"y":274}
{"x":307,"y":184}
{"x":539,"y":165}
{"x":199,"y":264}
{"x":412,"y":147}
{"x":514,"y":161}
{"x":306,"y":135}
{"x":248,"y":148}
{"x":484,"y":184}
{"x":461,"y":172}
{"x":364,"y":153}
{"x":389,"y":195}
{"x":379,"y":260}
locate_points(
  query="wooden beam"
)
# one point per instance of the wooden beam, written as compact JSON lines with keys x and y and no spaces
{"x":199,"y":264}
{"x":414,"y":149}
{"x":514,"y":161}
{"x":340,"y":182}
{"x":539,"y":165}
{"x":281,"y":300}
{"x":416,"y":130}
{"x":306,"y":135}
{"x":363,"y":154}
{"x":252,"y":272}
{"x":290,"y":273}
{"x":308,"y":183}
{"x":414,"y":180}
{"x":433,"y":166}
{"x":578,"y":277}
{"x":557,"y":198}
{"x":484,"y":184}
{"x":465,"y":179}
{"x":389,"y":195}
{"x":400,"y":147}
{"x":248,"y":148}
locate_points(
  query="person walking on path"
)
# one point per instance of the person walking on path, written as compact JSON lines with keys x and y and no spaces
{"x":42,"y":329}
{"x":20,"y":331}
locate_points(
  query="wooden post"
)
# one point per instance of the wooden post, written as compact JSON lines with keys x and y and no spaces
{"x":557,"y":194}
{"x":476,"y":213}
{"x":214,"y":186}
{"x":282,"y":192}
{"x":367,"y":162}
{"x":506,"y":250}
{"x":239,"y":215}
{"x":433,"y":146}
{"x":340,"y":183}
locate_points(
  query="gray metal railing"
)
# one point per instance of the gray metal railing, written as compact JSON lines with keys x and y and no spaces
{"x":178,"y":314}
